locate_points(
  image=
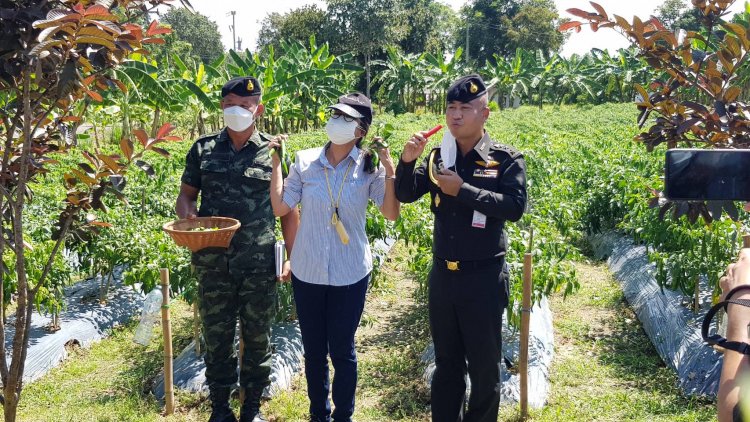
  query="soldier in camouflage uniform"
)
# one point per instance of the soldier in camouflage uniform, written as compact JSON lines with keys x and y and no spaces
{"x":232,"y":171}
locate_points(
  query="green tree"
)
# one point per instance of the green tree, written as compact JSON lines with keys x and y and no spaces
{"x":198,"y":31}
{"x":364,"y":28}
{"x":429,"y":26}
{"x":295,"y":25}
{"x":481,"y":33}
{"x":677,"y":14}
{"x":493,"y":27}
{"x":172,"y":46}
{"x":534,"y":27}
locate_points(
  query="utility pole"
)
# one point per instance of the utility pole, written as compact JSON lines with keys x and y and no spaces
{"x":467,"y":41}
{"x":234,"y":36}
{"x":239,"y":44}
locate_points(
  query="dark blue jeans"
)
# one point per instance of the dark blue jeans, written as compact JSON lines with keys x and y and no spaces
{"x":328,"y":318}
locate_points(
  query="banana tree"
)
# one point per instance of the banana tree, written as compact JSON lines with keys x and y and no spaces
{"x":202,"y":84}
{"x":441,"y":73}
{"x":615,"y":76}
{"x":299,"y":84}
{"x":543,"y":79}
{"x":569,"y":80}
{"x":511,"y":78}
{"x":402,"y":80}
{"x":149,"y":86}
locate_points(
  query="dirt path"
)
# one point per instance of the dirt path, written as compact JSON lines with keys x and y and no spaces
{"x":390,"y":341}
{"x":390,"y":347}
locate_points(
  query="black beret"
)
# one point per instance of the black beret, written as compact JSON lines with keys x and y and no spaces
{"x":244,"y":86}
{"x":466,"y":89}
{"x":355,"y":105}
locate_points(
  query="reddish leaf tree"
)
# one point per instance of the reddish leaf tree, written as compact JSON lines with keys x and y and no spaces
{"x":56,"y":58}
{"x":698,"y":100}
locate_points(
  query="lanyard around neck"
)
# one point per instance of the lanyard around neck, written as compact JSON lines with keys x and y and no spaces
{"x":341,"y":188}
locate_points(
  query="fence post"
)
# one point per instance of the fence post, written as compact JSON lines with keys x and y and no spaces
{"x":525,"y":320}
{"x":167,"y":328}
{"x":240,"y":353}
{"x":196,"y":319}
{"x":196,"y":329}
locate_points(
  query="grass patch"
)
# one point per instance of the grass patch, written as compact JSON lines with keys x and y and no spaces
{"x":390,"y":341}
{"x":605,"y":368}
{"x":111,"y":381}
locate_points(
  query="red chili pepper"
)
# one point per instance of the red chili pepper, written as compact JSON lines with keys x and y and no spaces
{"x":432,"y":131}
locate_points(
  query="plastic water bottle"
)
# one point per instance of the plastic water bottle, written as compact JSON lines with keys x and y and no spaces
{"x":149,"y":317}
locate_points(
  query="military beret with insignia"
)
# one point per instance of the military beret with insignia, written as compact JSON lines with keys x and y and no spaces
{"x":466,"y":89}
{"x":244,"y":86}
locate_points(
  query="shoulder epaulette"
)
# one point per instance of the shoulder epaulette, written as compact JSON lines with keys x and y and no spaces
{"x":208,"y":135}
{"x":265,"y":136}
{"x":512,"y":152}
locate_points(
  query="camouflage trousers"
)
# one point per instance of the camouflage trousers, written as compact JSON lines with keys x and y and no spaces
{"x":224,"y":294}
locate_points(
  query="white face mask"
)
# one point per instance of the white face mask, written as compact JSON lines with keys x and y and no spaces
{"x":340,"y":131}
{"x":238,"y":118}
{"x":448,"y":149}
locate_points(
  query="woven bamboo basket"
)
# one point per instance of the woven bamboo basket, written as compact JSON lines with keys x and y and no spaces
{"x":184,"y":234}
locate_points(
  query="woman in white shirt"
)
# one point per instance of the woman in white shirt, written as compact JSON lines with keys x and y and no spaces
{"x":331,"y":259}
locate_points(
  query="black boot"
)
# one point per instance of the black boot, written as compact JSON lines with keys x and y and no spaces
{"x":250,"y":411}
{"x":220,"y":410}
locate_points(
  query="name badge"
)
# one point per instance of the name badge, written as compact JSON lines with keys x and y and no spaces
{"x":479,"y":220}
{"x":486,"y":173}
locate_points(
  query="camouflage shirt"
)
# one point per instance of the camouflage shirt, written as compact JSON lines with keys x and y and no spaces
{"x":236,"y":184}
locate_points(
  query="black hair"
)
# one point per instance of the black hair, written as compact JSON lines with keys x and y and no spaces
{"x":367,"y":154}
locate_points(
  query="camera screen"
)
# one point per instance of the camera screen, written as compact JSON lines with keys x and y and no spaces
{"x":693,"y":174}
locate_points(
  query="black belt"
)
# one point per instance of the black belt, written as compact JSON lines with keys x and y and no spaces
{"x":466,"y":265}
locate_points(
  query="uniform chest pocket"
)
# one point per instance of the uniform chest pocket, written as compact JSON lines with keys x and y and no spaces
{"x":255,"y":181}
{"x":215,"y":166}
{"x":256,"y":173}
{"x":214,"y":174}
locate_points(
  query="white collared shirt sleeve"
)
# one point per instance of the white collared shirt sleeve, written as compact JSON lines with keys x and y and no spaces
{"x":293,"y":185}
{"x":377,"y":187}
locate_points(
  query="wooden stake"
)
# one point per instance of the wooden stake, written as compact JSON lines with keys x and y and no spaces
{"x":746,"y":241}
{"x":2,"y":293}
{"x":196,"y":319}
{"x":196,"y":329}
{"x":167,"y":328}
{"x":239,"y":360}
{"x":525,"y":317}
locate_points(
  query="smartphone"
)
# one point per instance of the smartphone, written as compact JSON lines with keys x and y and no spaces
{"x":707,"y":174}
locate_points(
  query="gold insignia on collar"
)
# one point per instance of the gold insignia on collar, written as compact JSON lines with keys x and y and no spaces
{"x":473,"y":88}
{"x":250,"y":86}
{"x":487,"y":164}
